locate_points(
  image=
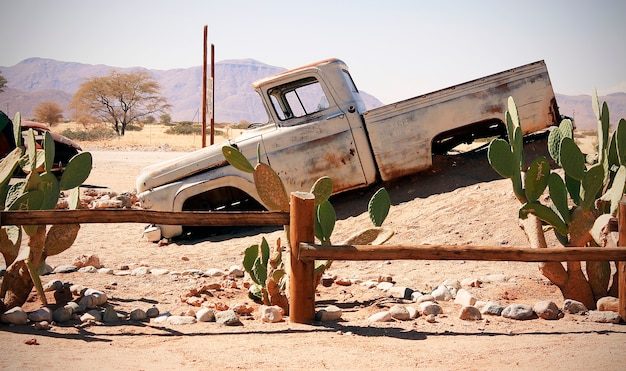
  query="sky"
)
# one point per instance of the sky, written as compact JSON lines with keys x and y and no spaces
{"x":395,"y":49}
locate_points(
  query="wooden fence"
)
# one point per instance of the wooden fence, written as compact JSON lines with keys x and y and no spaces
{"x":300,"y":219}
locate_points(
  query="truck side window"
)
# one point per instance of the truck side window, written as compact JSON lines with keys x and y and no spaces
{"x":297,"y":99}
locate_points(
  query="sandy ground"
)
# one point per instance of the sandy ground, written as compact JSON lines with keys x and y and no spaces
{"x":461,"y":201}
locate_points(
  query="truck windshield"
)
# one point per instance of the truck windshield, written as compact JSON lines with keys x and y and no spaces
{"x":299,"y":98}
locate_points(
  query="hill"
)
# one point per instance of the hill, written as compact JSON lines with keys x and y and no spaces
{"x":235,"y":100}
{"x":37,"y":80}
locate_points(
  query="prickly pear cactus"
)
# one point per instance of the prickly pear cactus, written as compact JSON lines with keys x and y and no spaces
{"x":38,"y":191}
{"x":581,"y":201}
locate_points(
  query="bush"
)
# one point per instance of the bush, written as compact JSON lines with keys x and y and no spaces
{"x":184,"y":128}
{"x":93,"y":134}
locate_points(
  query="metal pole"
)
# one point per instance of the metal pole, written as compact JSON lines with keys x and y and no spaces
{"x":204,"y":85}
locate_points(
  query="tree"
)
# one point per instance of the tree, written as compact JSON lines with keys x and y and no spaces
{"x":49,"y":112}
{"x":166,"y":119}
{"x":3,"y":83}
{"x":118,"y":98}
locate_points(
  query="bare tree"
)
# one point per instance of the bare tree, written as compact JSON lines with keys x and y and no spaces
{"x":49,"y":112}
{"x":118,"y":98}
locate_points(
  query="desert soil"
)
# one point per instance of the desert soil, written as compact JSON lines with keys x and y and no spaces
{"x":461,"y":201}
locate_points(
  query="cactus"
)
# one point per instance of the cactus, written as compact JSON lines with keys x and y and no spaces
{"x":594,"y":189}
{"x":272,"y":192}
{"x":36,"y":192}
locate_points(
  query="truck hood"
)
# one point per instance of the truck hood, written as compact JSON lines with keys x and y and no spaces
{"x":194,"y":162}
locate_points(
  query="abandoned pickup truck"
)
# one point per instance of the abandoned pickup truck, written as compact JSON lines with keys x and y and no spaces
{"x":318,"y":126}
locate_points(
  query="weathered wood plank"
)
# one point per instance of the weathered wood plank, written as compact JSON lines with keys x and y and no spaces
{"x":454,"y":252}
{"x":187,"y":218}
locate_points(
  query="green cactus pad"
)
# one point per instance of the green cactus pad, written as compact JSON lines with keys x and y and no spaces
{"x":558,"y":195}
{"x":17,"y":129}
{"x":378,"y":207}
{"x":536,"y":179}
{"x":251,"y":254}
{"x":49,"y":185}
{"x":572,"y":159}
{"x":33,"y":200}
{"x":322,"y":189}
{"x":237,"y":159}
{"x":614,"y":194}
{"x":573,"y":188}
{"x":591,"y":184}
{"x":620,"y":141}
{"x":325,"y":218}
{"x":9,"y":163}
{"x":501,"y":158}
{"x":76,"y":171}
{"x":60,"y":238}
{"x":270,"y":188}
{"x":554,"y":144}
{"x":544,"y":213}
{"x":48,"y":146}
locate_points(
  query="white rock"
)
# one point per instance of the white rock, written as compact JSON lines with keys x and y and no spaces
{"x":608,"y":303}
{"x":330,"y":313}
{"x":429,"y":307}
{"x":162,"y":318}
{"x":451,"y":282}
{"x":62,"y":314}
{"x":604,"y":317}
{"x":471,"y":282}
{"x":370,"y":284}
{"x":400,"y":292}
{"x":105,"y":271}
{"x":88,"y":269}
{"x":380,"y":317}
{"x":214,"y":272}
{"x":423,"y":298}
{"x":15,"y":316}
{"x":91,"y":316}
{"x":140,"y":271}
{"x":464,"y":298}
{"x":384,"y":286}
{"x":205,"y":315}
{"x":235,"y":271}
{"x":271,"y":314}
{"x":441,"y":293}
{"x":159,"y":271}
{"x":470,"y":313}
{"x":413,"y":312}
{"x":400,"y":313}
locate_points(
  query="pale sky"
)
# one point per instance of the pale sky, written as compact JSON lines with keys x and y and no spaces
{"x":394,"y":49}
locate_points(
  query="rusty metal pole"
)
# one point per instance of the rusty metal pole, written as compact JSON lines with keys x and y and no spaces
{"x":212,"y":94}
{"x":301,"y":277}
{"x":621,"y":265}
{"x":204,"y":85}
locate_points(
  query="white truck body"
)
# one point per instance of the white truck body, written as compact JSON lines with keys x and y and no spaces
{"x":318,"y":126}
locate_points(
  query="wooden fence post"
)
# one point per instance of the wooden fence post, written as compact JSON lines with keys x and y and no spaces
{"x":621,"y":265}
{"x":301,"y":278}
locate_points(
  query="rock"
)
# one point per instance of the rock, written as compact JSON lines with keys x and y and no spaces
{"x":159,"y":271}
{"x":604,"y":316}
{"x":451,"y":282}
{"x":472,"y":282}
{"x":162,"y":318}
{"x":93,"y":298}
{"x":105,"y":271}
{"x":138,"y":314}
{"x":192,"y":272}
{"x":413,"y":312}
{"x":54,"y":285}
{"x":110,"y":315}
{"x":343,"y":282}
{"x":574,"y":307}
{"x":400,"y":292}
{"x":235,"y":271}
{"x":470,"y":313}
{"x":384,"y":286}
{"x":385,"y":278}
{"x":547,"y":310}
{"x":465,"y":298}
{"x":43,"y":325}
{"x":330,"y":313}
{"x":429,"y":307}
{"x":86,"y":260}
{"x":431,"y":318}
{"x":205,"y":315}
{"x":140,"y":271}
{"x":370,"y":284}
{"x":75,"y":307}
{"x":441,"y":293}
{"x":62,"y":314}
{"x":495,"y":278}
{"x":423,"y":298}
{"x":107,"y":204}
{"x":47,"y":269}
{"x":91,"y":316}
{"x":243,"y":309}
{"x":327,"y":281}
{"x":88,"y":269}
{"x":214,"y":272}
{"x":519,"y":312}
{"x":181,"y":320}
{"x":492,"y":308}
{"x":380,"y":317}
{"x":41,"y":314}
{"x":122,"y":273}
{"x":400,"y":313}
{"x":65,"y":269}
{"x":608,"y":303}
{"x":15,"y":316}
{"x":152,"y":312}
{"x":271,"y":314}
{"x":228,"y":318}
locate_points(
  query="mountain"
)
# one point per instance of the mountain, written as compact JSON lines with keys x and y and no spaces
{"x":37,"y":80}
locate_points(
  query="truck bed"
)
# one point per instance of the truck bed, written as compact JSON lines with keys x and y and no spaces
{"x":402,"y":133}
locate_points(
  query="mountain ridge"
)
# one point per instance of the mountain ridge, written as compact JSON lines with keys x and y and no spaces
{"x":36,"y":80}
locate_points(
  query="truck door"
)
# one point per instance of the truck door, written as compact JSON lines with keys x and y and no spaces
{"x":314,"y":139}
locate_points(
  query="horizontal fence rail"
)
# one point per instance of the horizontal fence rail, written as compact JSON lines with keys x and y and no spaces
{"x":187,"y":218}
{"x":310,"y":252}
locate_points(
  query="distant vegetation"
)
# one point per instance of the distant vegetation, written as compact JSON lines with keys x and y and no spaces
{"x":93,"y":133}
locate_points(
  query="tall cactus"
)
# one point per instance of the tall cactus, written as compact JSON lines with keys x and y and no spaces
{"x":35,"y":192}
{"x":581,"y":202}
